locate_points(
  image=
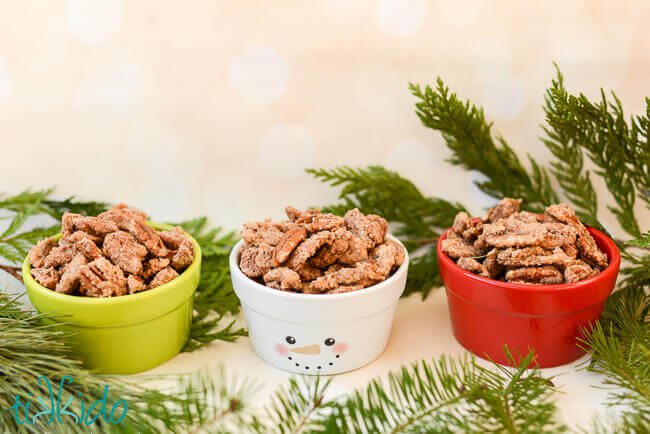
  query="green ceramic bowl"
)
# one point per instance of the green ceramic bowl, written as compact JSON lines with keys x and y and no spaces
{"x":127,"y":334}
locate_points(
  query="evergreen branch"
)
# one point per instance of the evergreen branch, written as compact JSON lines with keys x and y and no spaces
{"x":14,"y":271}
{"x":620,"y":349}
{"x":468,"y":135}
{"x":30,"y":349}
{"x":439,"y":396}
{"x":568,"y":168}
{"x":600,"y":129}
{"x":640,"y":153}
{"x":300,"y":407}
{"x":643,"y":242}
{"x":214,"y":298}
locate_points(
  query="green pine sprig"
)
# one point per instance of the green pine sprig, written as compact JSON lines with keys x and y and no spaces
{"x":568,"y":166}
{"x":450,"y":395}
{"x":469,"y":136}
{"x":620,"y":349}
{"x":617,"y":147}
{"x":214,"y":299}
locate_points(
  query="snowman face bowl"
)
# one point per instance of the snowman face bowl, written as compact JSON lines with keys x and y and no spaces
{"x":318,"y":334}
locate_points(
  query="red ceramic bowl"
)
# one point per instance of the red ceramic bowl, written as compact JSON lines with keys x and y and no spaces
{"x":487,"y":314}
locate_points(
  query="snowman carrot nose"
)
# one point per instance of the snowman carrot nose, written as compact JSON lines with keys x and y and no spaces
{"x":309,"y":349}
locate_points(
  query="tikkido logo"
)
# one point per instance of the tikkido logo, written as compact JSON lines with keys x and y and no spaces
{"x":57,"y":411}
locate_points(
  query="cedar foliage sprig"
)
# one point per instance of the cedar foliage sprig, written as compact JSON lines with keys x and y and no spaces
{"x":450,"y":395}
{"x":469,"y":136}
{"x":214,"y":298}
{"x":620,"y":348}
{"x":568,"y":166}
{"x":619,"y":149}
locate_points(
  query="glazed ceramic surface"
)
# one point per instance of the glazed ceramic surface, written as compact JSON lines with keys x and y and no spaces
{"x":318,"y":334}
{"x":126,"y":334}
{"x":488,"y":314}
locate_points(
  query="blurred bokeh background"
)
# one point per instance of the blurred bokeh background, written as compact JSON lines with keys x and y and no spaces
{"x":189,"y":107}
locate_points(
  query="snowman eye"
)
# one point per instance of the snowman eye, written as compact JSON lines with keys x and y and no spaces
{"x":290,"y":340}
{"x":329,"y":342}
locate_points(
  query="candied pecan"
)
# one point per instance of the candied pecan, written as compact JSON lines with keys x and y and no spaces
{"x":473,"y":232}
{"x":510,"y":232}
{"x":492,"y":266}
{"x":122,"y":212}
{"x":472,"y":265}
{"x":69,"y":281}
{"x":182,"y":247}
{"x":153,"y":266}
{"x":570,"y":250}
{"x":135,"y":284}
{"x":344,"y":288}
{"x":578,"y":270}
{"x":332,"y":251}
{"x":505,"y":208}
{"x":400,"y":252}
{"x":294,"y":213}
{"x":174,"y":237}
{"x":320,"y":222}
{"x":48,"y":277}
{"x":86,"y":246}
{"x":558,"y":234}
{"x":93,"y":225}
{"x":261,"y":233}
{"x":322,"y":284}
{"x":287,"y":244}
{"x":148,"y":236}
{"x":256,"y":261}
{"x":71,"y":238}
{"x":528,"y":217}
{"x":547,"y":275}
{"x":356,"y":251}
{"x":184,"y":256}
{"x":370,"y":231}
{"x":532,"y":257}
{"x":39,"y":252}
{"x":385,"y":255}
{"x":60,"y":255}
{"x":364,"y":273}
{"x":283,"y":278}
{"x":165,"y":275}
{"x":459,"y":248}
{"x":585,"y":242}
{"x":285,"y":226}
{"x":333,"y":268}
{"x":462,"y":222}
{"x":125,"y":251}
{"x":307,"y":272}
{"x":383,"y":224}
{"x":308,"y":248}
{"x":100,"y":278}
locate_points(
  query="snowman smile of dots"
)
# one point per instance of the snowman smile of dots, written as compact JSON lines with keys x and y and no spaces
{"x":310,"y":356}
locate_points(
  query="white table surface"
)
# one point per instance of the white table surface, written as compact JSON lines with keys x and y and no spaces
{"x":422,"y":330}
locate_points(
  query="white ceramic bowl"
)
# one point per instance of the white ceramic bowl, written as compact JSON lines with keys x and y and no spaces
{"x":318,"y":334}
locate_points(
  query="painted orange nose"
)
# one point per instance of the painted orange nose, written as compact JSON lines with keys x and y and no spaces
{"x":309,"y":349}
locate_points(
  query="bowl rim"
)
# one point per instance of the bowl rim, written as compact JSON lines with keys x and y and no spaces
{"x":154,"y":292}
{"x":236,"y":271}
{"x":612,"y":267}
